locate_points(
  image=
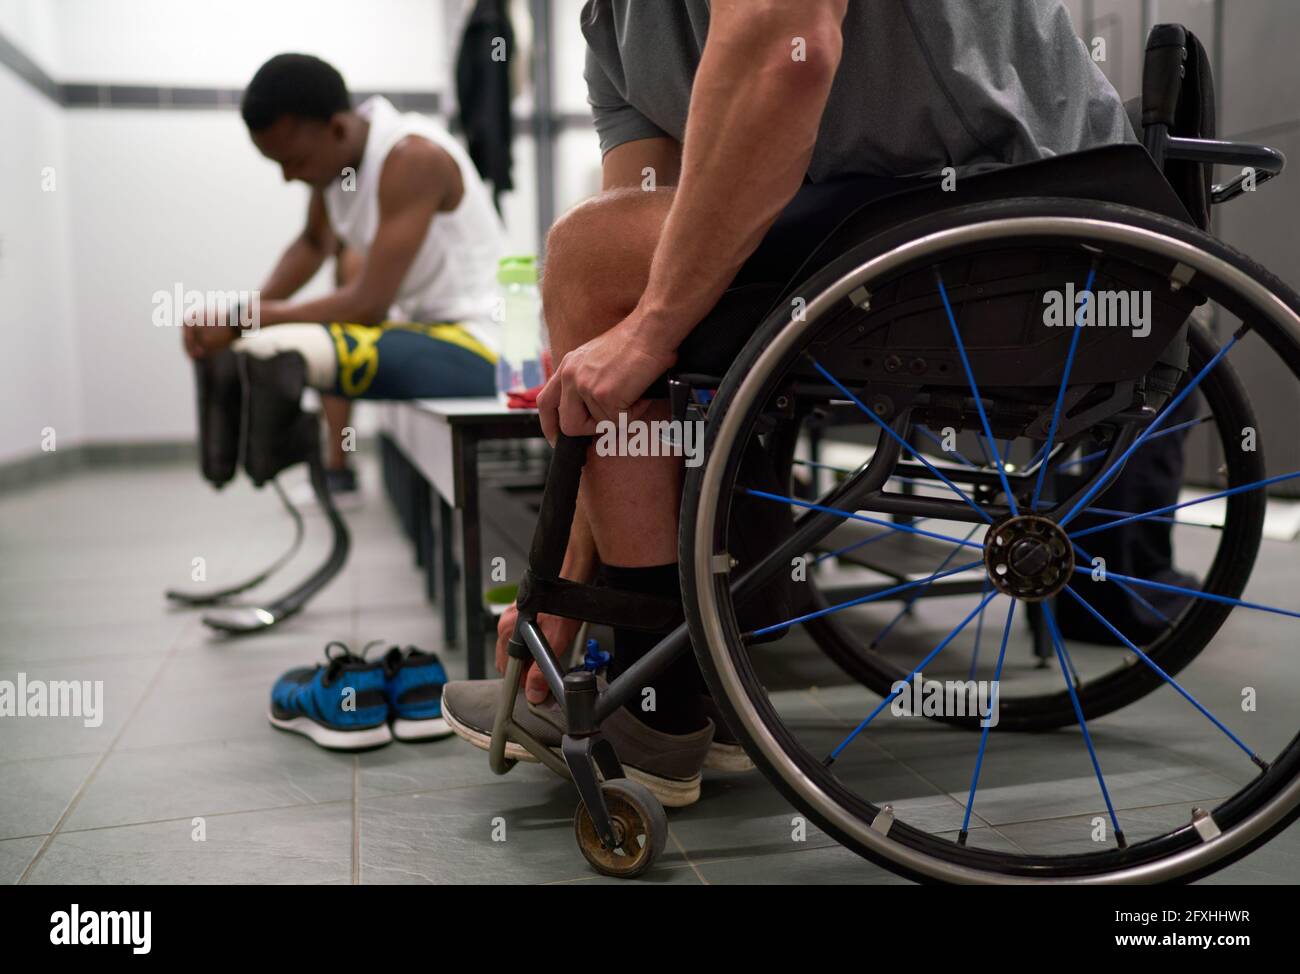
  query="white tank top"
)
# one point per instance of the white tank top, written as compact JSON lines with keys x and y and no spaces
{"x":453,"y":276}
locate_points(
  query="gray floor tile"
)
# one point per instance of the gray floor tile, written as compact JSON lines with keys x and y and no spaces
{"x":430,"y":766}
{"x":15,"y":854}
{"x":273,"y":770}
{"x":75,"y":642}
{"x":302,"y":844}
{"x":446,"y":837}
{"x":124,"y":679}
{"x":37,"y":791}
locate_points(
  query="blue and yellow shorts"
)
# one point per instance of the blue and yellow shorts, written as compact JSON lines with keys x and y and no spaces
{"x":398,"y":360}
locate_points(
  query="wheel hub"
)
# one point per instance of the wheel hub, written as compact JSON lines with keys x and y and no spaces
{"x":1028,"y":557}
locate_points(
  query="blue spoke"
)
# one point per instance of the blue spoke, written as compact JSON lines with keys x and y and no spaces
{"x":881,"y":636}
{"x":1178,"y":507}
{"x":1152,"y":517}
{"x":1131,"y":594}
{"x":1133,"y":514}
{"x":1065,"y":380}
{"x":979,"y":629}
{"x":865,"y":599}
{"x":1146,"y":434}
{"x":1066,"y":668}
{"x":902,"y":442}
{"x":984,"y":731}
{"x":907,"y":529}
{"x":1164,"y":432}
{"x":1193,"y":593}
{"x":1165,"y":676}
{"x":974,"y":389}
{"x":919,"y":666}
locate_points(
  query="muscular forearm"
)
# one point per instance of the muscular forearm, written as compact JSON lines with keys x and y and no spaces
{"x":753,"y":121}
{"x":348,"y":304}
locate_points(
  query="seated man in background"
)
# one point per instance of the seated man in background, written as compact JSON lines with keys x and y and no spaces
{"x":421,"y":237}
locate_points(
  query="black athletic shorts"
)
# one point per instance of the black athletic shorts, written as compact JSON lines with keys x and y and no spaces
{"x":790,"y":252}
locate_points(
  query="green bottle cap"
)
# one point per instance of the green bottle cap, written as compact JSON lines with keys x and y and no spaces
{"x":517,"y":270}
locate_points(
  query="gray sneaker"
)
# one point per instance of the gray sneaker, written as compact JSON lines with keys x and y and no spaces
{"x":470,"y":706}
{"x":668,"y":764}
{"x":726,"y":752}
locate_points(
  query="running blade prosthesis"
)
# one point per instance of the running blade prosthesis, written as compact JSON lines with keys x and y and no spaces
{"x":250,"y":413}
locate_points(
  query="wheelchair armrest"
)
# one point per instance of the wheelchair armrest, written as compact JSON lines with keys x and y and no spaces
{"x":1263,"y":162}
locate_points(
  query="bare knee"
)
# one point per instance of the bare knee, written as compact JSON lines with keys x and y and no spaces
{"x":597,"y":262}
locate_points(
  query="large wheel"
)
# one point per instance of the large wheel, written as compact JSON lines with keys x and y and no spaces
{"x":860,"y":646}
{"x":1026,"y":545}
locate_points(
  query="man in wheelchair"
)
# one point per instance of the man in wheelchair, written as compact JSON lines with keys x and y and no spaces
{"x":736,"y":136}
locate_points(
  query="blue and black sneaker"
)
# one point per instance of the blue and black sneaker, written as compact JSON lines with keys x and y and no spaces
{"x":413,"y":685}
{"x":341,"y":705}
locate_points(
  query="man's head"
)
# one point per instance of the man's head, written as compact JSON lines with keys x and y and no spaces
{"x":299,"y":115}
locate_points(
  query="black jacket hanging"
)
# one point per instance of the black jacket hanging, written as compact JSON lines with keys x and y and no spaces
{"x":483,"y":91}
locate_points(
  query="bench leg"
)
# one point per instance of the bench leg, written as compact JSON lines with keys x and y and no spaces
{"x":471,"y":536}
{"x":447,"y":580}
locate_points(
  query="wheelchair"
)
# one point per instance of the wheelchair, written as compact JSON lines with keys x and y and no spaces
{"x":925,"y":317}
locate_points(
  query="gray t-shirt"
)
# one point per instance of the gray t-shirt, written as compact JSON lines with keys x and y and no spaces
{"x":922,"y":84}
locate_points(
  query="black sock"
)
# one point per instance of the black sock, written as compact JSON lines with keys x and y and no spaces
{"x":677,"y":708}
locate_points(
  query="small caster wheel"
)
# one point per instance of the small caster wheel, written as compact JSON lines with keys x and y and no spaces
{"x":640,"y":829}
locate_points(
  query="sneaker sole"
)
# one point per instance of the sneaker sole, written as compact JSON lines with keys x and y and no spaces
{"x":671,"y":792}
{"x":334,"y":740}
{"x":727,"y":757}
{"x":432,"y":729}
{"x":482,"y":741}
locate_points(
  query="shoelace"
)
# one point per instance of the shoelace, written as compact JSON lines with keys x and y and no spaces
{"x":371,"y":645}
{"x":338,"y":660}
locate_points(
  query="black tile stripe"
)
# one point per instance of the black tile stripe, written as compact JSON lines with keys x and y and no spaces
{"x":27,"y":69}
{"x":89,"y":95}
{"x":84,"y":95}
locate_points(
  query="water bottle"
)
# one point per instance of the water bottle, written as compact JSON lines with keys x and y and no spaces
{"x":519,"y":366}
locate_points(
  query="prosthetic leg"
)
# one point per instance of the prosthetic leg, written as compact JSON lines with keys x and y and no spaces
{"x":249,"y":412}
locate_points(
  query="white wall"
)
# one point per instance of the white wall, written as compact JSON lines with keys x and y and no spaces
{"x":386,"y":44}
{"x":577,"y":151}
{"x":159,"y":199}
{"x":40,"y":388}
{"x":30,"y":26}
